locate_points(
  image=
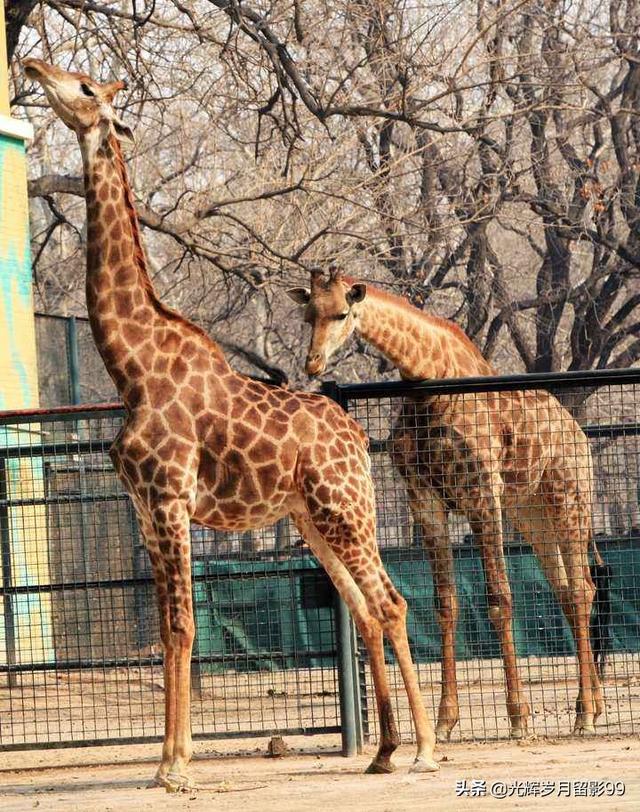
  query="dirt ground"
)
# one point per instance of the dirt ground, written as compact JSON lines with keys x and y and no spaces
{"x":313,"y":773}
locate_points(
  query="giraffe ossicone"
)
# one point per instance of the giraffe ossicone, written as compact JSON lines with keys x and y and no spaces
{"x":477,"y":454}
{"x":201,"y":442}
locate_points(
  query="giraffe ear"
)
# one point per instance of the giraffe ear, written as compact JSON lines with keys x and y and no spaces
{"x":109,"y":90}
{"x":123,"y":133}
{"x":299,"y":295}
{"x":357,"y":293}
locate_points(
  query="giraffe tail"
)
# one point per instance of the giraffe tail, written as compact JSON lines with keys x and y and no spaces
{"x":601,"y":614}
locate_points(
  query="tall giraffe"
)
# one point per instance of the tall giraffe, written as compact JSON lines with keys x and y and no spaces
{"x":478,"y":454}
{"x":202,"y":443}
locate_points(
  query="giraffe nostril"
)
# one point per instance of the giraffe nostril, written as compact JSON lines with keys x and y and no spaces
{"x":315,"y":363}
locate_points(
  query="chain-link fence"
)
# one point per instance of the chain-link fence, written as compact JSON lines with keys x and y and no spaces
{"x":79,"y":654}
{"x":80,"y":660}
{"x":436,"y":439}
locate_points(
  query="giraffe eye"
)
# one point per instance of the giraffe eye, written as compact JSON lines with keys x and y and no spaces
{"x":342,"y":316}
{"x":84,"y":87}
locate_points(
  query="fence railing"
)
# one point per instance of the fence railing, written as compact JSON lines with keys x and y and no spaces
{"x":606,"y":404}
{"x":79,"y":656}
{"x":79,"y":641}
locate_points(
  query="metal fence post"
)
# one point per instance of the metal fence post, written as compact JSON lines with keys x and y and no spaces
{"x":74,"y":360}
{"x":7,"y":578}
{"x":350,"y":715}
{"x":348,"y":670}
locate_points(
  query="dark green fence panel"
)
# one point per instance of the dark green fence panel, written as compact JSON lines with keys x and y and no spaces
{"x":263,"y":615}
{"x":540,"y":628}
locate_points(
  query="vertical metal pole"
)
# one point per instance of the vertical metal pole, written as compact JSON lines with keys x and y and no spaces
{"x":346,"y":683}
{"x":74,"y":360}
{"x":7,"y":576}
{"x":282,"y":539}
{"x":348,"y":668}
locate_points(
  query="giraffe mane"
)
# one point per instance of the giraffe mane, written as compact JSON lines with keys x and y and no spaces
{"x":139,"y":253}
{"x":403,"y":304}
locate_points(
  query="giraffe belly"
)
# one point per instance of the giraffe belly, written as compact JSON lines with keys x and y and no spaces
{"x":234,"y":514}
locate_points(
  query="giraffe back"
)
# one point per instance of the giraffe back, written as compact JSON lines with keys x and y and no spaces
{"x":520,"y":442}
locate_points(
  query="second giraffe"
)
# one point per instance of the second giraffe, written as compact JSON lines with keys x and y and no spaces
{"x":478,"y":454}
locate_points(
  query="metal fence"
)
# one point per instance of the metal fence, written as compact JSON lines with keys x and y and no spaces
{"x":607,"y":406}
{"x":70,"y":370}
{"x":79,"y":656}
{"x":80,"y":661}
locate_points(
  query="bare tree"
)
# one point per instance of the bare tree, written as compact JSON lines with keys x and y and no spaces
{"x":480,"y":157}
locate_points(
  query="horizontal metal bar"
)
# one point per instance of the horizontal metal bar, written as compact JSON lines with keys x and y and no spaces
{"x":70,"y":586}
{"x":151,"y":739}
{"x":62,"y":413}
{"x":514,"y":548}
{"x":64,"y":499}
{"x":123,"y":583}
{"x":133,"y":662}
{"x":450,"y":386}
{"x":611,"y":430}
{"x":65,"y":449}
{"x":44,"y":316}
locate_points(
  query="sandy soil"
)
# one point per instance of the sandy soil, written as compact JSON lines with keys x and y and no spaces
{"x":112,"y":779}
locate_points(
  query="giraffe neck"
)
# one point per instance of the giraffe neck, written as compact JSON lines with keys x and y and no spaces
{"x":127,"y":319}
{"x":421,"y":346}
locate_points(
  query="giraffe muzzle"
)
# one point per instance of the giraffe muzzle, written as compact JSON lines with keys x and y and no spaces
{"x":315,"y":364}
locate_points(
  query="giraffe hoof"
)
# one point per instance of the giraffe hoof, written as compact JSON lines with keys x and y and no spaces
{"x":175,"y":782}
{"x":380,"y":768}
{"x":443,"y":732}
{"x":584,"y":727}
{"x":158,"y":780}
{"x":424,"y":765}
{"x":518,"y":733}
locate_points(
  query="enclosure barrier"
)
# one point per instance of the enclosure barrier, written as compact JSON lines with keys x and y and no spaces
{"x":80,"y":661}
{"x":606,"y":404}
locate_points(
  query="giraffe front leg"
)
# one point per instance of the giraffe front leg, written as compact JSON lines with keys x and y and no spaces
{"x":169,"y":672}
{"x":430,"y":515}
{"x":577,"y":606}
{"x":441,"y":559}
{"x":168,"y":541}
{"x":449,"y":708}
{"x":488,"y":530}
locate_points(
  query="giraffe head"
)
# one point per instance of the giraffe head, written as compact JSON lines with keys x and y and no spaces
{"x":331,"y":308}
{"x":83,"y":105}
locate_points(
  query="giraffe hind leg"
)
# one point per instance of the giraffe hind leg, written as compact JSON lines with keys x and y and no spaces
{"x":430,"y":513}
{"x":548,"y":533}
{"x":170,"y":558}
{"x":376,"y":607}
{"x":370,"y":631}
{"x":486,"y":524}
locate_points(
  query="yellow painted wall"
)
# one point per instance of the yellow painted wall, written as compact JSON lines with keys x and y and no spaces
{"x":18,"y":364}
{"x":23,"y":478}
{"x":4,"y":84}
